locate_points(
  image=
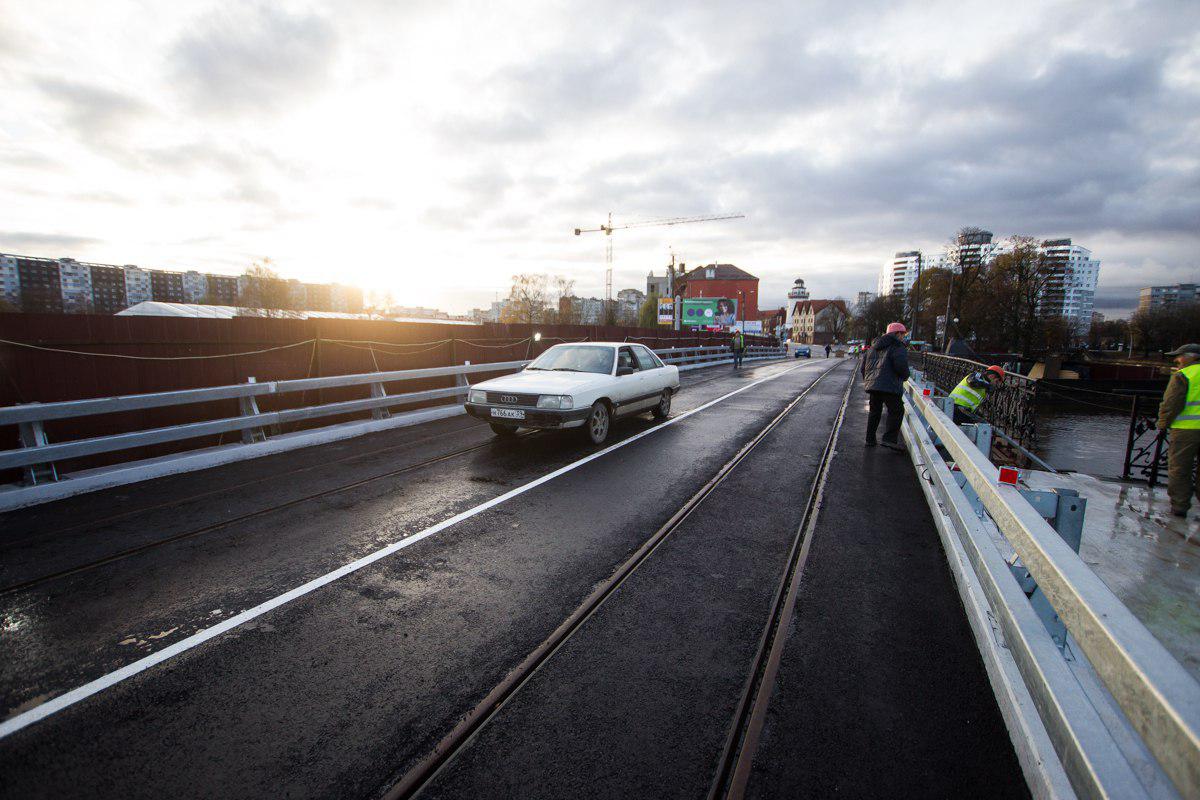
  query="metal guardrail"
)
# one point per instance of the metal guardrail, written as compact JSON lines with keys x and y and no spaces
{"x":1012,"y":407}
{"x":1145,"y":445}
{"x":37,"y":455}
{"x":1159,"y":698}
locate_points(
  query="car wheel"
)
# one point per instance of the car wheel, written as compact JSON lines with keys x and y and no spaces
{"x":596,"y":425}
{"x":664,"y":405}
{"x":504,"y":431}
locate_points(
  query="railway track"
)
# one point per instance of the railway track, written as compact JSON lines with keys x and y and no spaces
{"x":411,"y":783}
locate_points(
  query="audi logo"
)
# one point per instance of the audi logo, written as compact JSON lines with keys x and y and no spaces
{"x":508,"y":398}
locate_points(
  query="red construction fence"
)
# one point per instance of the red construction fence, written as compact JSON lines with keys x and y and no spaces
{"x":52,"y":357}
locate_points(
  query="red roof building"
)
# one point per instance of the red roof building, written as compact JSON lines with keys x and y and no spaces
{"x":721,"y":280}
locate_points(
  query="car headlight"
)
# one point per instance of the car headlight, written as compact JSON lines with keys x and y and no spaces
{"x":477,"y":396}
{"x":554,"y":401}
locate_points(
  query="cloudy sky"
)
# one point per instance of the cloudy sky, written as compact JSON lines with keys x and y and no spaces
{"x":435,"y":148}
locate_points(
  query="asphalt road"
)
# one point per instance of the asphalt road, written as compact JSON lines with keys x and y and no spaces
{"x":340,"y":690}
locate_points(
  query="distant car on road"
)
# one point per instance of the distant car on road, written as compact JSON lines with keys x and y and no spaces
{"x":803,"y":350}
{"x":577,"y":386}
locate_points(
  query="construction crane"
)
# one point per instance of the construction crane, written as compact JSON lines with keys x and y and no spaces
{"x":649,"y":223}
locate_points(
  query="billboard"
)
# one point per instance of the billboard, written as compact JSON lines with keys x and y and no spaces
{"x":666,"y":311}
{"x":706,"y":311}
{"x":752,"y":326}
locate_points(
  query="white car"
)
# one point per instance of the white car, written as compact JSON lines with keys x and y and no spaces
{"x":577,"y":385}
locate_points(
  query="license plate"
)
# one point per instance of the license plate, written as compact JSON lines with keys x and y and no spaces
{"x":508,"y":413}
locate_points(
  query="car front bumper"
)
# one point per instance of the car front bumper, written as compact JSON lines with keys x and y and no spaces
{"x":547,"y":418}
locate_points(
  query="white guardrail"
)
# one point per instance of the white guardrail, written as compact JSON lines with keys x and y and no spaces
{"x":1123,"y":719}
{"x":37,"y":456}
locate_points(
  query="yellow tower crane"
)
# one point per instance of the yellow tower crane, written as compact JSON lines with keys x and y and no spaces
{"x":649,"y":223}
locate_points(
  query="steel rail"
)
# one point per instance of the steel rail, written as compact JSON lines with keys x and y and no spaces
{"x":416,"y":778}
{"x":733,"y":771}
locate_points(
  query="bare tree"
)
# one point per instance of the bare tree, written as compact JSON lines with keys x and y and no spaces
{"x":565,"y":311}
{"x":265,"y":289}
{"x":526,"y":299}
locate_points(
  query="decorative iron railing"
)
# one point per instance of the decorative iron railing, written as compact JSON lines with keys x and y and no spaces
{"x":1146,"y":446}
{"x":1012,"y":407}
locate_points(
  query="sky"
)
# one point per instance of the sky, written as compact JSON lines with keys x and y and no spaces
{"x":434,"y":149}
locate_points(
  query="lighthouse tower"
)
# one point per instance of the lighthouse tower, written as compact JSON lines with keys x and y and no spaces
{"x":798,"y":291}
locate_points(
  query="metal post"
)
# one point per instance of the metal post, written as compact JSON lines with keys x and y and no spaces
{"x":377,"y":390}
{"x":1133,"y":418}
{"x":249,"y":408}
{"x":1158,"y":445}
{"x":34,"y":435}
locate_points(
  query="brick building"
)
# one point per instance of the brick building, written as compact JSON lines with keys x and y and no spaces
{"x":819,"y":322}
{"x":722,"y":280}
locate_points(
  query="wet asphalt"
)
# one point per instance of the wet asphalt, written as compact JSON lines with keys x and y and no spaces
{"x":338,"y":692}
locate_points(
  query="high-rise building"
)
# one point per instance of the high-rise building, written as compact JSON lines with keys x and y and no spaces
{"x":195,"y":287}
{"x":899,"y":274}
{"x":137,"y":285}
{"x":222,"y":290}
{"x":1158,"y":296}
{"x":46,"y":285}
{"x":10,"y":282}
{"x":41,"y":285}
{"x":1071,"y":289}
{"x":108,"y":289}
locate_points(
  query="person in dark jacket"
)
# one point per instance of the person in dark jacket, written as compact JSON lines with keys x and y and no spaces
{"x":884,"y":371}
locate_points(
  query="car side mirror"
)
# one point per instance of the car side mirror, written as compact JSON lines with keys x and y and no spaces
{"x":624,"y":371}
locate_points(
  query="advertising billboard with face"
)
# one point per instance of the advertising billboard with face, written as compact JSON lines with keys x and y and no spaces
{"x":706,"y":311}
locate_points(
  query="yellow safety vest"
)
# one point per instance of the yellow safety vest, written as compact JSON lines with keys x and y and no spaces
{"x":1189,"y":417}
{"x":967,"y":396}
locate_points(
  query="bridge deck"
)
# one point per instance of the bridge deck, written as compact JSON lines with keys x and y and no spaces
{"x":342,"y":688}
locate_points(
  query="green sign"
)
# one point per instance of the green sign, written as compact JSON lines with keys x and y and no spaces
{"x":705,"y":311}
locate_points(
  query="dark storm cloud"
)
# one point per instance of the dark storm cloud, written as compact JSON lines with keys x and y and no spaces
{"x":92,"y":111}
{"x":258,"y":58}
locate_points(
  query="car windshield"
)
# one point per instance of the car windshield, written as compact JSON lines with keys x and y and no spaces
{"x":575,"y":358}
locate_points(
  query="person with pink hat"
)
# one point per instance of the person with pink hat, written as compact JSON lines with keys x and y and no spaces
{"x":884,"y":371}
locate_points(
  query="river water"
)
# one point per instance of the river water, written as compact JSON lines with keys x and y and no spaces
{"x":1092,"y":442}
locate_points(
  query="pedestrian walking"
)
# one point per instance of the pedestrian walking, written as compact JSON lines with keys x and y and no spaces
{"x":1179,"y":413}
{"x":972,"y":391}
{"x":884,"y":370}
{"x":737,"y":343}
{"x":828,"y":350}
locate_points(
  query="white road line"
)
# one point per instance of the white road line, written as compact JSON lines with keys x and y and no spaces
{"x":11,"y":726}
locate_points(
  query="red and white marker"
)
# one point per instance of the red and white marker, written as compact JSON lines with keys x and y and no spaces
{"x":1009,"y":475}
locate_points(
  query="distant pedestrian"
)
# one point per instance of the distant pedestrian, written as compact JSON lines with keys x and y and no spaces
{"x":828,"y":350}
{"x":737,"y":344}
{"x":884,"y":371}
{"x":972,"y":390}
{"x":1179,"y":413}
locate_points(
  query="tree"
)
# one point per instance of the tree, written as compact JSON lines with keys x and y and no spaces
{"x":1166,"y":327}
{"x":264,"y":289}
{"x":1016,"y":283}
{"x":564,"y":311}
{"x":836,"y":319}
{"x":873,"y":319}
{"x":526,"y":299}
{"x":648,"y":314}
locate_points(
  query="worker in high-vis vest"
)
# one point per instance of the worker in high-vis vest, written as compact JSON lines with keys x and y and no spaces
{"x":1179,"y":415}
{"x":973,"y":390}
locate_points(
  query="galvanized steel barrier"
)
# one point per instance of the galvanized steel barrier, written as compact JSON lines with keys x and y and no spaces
{"x":37,"y":456}
{"x":1044,"y":701}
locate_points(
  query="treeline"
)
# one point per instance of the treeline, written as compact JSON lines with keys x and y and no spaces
{"x":997,"y":306}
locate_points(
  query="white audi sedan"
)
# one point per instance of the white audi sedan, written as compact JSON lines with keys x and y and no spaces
{"x":577,"y":385}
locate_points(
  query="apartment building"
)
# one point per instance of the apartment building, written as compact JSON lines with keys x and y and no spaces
{"x":1153,"y":297}
{"x":64,"y":285}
